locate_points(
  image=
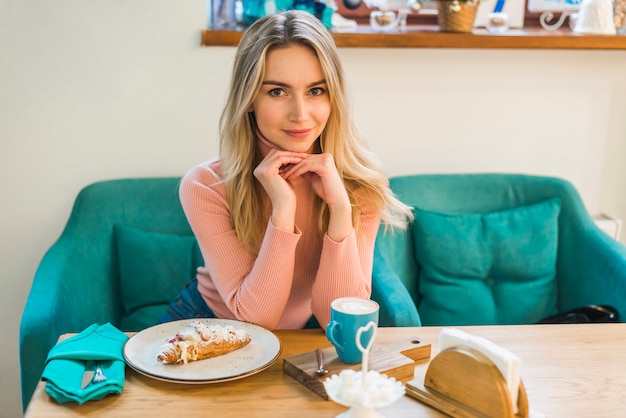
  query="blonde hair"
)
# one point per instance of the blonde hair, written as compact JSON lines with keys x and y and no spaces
{"x":362,"y":173}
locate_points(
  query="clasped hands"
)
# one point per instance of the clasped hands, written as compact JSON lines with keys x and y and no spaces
{"x":279,"y":167}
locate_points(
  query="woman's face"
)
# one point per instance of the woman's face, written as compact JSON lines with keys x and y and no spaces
{"x":293,"y":105}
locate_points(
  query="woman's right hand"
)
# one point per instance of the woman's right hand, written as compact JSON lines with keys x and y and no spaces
{"x":279,"y":190}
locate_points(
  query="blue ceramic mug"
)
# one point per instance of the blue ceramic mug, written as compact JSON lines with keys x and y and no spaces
{"x":347,"y":315}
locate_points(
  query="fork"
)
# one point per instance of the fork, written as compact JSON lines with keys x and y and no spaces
{"x":98,"y":376}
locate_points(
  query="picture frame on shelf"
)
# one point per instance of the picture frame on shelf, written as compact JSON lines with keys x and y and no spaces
{"x":538,"y":6}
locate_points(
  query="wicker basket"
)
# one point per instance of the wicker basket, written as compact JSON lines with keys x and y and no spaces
{"x":458,"y":21}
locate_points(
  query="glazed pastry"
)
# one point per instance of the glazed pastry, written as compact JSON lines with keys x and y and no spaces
{"x":200,"y":341}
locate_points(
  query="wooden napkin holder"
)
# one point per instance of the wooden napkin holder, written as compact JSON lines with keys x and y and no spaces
{"x":462,"y":382}
{"x":395,"y":360}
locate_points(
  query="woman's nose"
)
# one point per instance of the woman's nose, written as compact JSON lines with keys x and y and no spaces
{"x":299,"y":110}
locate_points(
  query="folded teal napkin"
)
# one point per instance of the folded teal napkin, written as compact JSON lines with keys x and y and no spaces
{"x":70,"y":358}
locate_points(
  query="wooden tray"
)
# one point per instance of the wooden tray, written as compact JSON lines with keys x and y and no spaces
{"x":395,"y":360}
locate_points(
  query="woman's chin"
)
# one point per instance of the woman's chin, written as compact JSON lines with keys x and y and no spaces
{"x":306,"y":149}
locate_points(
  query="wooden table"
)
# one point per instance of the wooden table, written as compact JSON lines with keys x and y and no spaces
{"x":568,"y":371}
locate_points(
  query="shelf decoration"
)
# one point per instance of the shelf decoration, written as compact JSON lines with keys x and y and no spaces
{"x":548,"y":8}
{"x":595,"y":17}
{"x":255,"y":9}
{"x":515,"y":9}
{"x":620,"y":16}
{"x":457,"y":15}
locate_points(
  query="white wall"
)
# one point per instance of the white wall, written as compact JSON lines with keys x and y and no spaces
{"x":99,"y":89}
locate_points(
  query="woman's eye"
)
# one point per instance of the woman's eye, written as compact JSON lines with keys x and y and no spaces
{"x":317,"y":91}
{"x":275,"y":92}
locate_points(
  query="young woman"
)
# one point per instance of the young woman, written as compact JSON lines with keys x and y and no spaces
{"x":287,"y":216}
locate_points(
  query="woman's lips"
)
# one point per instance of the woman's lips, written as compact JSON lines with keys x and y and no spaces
{"x":298,"y":133}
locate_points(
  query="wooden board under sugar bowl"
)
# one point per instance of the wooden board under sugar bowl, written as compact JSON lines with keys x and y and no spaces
{"x":394,"y":360}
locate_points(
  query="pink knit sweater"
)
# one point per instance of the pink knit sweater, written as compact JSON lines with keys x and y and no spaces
{"x":293,"y":276}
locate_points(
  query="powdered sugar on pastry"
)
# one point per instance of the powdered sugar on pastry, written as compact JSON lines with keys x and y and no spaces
{"x":200,"y":341}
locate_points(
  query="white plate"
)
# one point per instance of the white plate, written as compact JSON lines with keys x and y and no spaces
{"x":140,"y":352}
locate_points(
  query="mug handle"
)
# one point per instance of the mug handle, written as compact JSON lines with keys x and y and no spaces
{"x":330,"y":333}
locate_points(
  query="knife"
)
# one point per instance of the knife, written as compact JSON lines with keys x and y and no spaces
{"x":90,"y":368}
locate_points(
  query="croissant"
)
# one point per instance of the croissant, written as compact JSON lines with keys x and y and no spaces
{"x":199,"y":341}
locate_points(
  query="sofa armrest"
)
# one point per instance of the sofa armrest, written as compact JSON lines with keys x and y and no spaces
{"x":594,"y":271}
{"x":396,"y":305}
{"x":67,"y":295}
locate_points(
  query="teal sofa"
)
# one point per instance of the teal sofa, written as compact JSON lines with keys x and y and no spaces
{"x":126,"y":251}
{"x":498,"y":249}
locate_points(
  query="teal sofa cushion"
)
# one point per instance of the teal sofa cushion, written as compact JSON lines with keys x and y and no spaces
{"x":153,"y":269}
{"x":487,"y":268}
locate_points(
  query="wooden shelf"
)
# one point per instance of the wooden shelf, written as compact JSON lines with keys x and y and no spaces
{"x":428,"y":36}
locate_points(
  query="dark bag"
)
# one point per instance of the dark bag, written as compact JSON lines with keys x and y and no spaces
{"x":585,"y":314}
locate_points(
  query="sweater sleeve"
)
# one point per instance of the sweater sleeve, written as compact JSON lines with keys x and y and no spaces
{"x":345,"y":268}
{"x":252,"y":289}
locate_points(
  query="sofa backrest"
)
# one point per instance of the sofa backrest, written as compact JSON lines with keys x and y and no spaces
{"x":107,"y":225}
